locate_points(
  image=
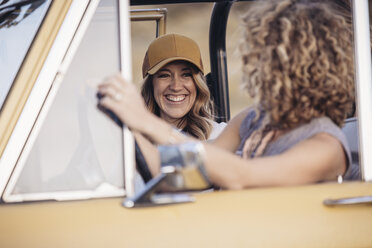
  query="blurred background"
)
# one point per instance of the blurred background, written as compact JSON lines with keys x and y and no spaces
{"x":193,"y":20}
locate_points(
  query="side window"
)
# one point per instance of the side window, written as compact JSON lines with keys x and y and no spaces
{"x":19,"y":23}
{"x":182,"y":19}
{"x":146,"y":25}
{"x":78,"y":147}
{"x":190,"y":19}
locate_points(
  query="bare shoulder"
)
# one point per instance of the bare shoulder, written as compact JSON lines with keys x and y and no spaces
{"x":241,"y":115}
{"x":323,"y":140}
{"x":322,"y":154}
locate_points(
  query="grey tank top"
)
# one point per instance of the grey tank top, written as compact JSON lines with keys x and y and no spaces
{"x":291,"y":138}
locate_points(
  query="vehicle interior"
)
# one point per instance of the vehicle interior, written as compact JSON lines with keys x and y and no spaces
{"x":64,"y":182}
{"x":223,"y":18}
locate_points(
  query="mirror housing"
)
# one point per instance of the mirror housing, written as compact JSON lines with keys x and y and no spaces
{"x":182,"y":169}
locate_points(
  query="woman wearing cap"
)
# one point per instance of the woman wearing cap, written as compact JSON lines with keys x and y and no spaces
{"x":298,"y":67}
{"x":174,"y":87}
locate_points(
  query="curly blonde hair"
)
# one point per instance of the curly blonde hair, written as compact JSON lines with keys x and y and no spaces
{"x":197,"y":122}
{"x":298,"y":62}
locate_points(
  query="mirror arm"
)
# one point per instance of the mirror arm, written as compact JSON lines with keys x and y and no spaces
{"x":148,"y":197}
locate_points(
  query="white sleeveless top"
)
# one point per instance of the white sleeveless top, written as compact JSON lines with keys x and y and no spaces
{"x":217,"y":128}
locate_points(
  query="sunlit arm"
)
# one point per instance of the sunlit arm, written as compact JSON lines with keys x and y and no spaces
{"x":319,"y":158}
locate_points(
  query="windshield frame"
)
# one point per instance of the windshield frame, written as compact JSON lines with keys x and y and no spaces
{"x":15,"y":121}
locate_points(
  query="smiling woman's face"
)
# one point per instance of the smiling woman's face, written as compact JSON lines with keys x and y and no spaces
{"x":174,"y":90}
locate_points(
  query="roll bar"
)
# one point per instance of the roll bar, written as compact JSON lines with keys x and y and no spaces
{"x":217,"y":79}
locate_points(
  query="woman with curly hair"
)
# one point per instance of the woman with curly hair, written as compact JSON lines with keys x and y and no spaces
{"x":175,"y":89}
{"x":298,"y":68}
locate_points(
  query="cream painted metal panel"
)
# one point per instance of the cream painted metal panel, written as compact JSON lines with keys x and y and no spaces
{"x":267,"y":217}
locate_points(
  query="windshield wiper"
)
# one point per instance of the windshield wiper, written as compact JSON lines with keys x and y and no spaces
{"x":9,"y":13}
{"x":18,"y":5}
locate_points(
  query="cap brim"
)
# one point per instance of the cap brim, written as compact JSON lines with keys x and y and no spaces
{"x":157,"y":67}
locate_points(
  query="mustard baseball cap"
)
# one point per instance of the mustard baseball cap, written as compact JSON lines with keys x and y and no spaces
{"x":168,"y":48}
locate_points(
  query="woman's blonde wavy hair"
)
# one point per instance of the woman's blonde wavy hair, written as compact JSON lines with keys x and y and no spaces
{"x":298,"y":62}
{"x":197,"y":122}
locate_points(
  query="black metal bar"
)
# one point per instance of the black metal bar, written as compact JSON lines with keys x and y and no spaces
{"x":152,"y":2}
{"x":217,"y":51}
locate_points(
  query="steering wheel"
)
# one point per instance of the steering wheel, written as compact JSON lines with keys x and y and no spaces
{"x":141,"y":163}
{"x":142,"y":166}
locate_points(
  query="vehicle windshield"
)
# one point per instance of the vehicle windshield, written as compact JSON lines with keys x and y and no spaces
{"x":78,"y":148}
{"x":19,"y":23}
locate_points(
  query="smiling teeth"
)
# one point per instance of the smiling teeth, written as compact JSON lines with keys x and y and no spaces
{"x":175,"y":98}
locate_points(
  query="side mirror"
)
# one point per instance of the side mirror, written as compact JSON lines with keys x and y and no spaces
{"x":182,"y":170}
